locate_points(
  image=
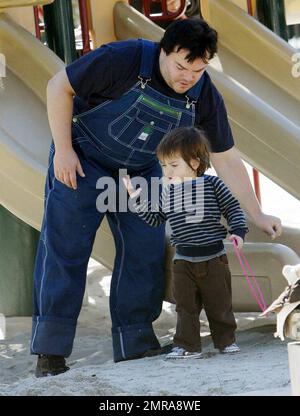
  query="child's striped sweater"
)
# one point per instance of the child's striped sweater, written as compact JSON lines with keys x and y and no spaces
{"x":194,"y":210}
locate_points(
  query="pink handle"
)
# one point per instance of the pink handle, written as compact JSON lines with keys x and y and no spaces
{"x":241,"y":257}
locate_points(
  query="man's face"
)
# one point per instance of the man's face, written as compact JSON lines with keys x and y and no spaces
{"x":178,"y":73}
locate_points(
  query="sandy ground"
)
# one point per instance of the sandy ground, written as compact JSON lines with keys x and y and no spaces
{"x":260,"y":369}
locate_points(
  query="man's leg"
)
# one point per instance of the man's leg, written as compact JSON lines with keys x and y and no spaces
{"x":138,"y":283}
{"x":137,"y":286}
{"x":68,"y":232}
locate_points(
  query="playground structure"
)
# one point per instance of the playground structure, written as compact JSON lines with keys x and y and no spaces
{"x":253,"y":73}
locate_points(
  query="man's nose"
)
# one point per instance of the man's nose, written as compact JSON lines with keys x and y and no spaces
{"x":189,"y":77}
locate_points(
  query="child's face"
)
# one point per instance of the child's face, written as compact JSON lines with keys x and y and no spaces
{"x":176,"y":170}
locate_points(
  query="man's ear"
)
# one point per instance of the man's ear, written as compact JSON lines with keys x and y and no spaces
{"x":163,"y":52}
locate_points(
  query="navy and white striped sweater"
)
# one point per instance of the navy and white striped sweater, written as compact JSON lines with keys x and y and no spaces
{"x":193,"y":209}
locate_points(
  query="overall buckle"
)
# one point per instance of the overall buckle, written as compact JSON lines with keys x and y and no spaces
{"x":189,"y":103}
{"x":144,"y":82}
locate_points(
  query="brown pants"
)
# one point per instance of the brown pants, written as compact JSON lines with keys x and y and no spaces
{"x":205,"y":285}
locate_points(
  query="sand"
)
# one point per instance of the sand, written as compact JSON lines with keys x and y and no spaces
{"x":261,"y":368}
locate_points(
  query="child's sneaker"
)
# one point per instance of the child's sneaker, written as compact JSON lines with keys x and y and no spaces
{"x":230,"y":349}
{"x":50,"y":365}
{"x":179,"y":352}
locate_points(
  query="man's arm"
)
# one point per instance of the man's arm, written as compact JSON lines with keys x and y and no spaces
{"x":231,"y":170}
{"x":60,"y":108}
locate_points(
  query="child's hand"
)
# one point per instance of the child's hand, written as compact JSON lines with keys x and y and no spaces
{"x":128,"y":185}
{"x":239,"y":240}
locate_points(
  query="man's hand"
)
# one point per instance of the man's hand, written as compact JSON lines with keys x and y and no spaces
{"x":239,"y":240}
{"x":128,"y":185}
{"x":66,"y":164}
{"x":269,"y":224}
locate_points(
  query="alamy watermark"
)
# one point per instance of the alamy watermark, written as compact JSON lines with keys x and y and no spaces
{"x":296,"y":66}
{"x":2,"y":69}
{"x":154,"y":196}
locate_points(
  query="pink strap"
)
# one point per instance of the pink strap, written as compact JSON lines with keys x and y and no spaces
{"x":258,"y":297}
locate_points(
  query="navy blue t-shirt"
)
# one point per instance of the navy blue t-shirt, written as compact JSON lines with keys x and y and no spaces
{"x":112,"y":69}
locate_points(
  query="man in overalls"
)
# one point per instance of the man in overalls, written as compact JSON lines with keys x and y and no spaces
{"x":128,"y":95}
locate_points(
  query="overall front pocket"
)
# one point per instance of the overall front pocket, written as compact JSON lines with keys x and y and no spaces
{"x":143,"y":126}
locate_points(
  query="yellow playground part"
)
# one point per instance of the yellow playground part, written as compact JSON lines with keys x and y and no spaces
{"x":253,"y":73}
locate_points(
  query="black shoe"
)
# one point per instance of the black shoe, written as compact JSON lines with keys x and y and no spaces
{"x":152,"y":352}
{"x":157,"y":351}
{"x":50,"y":365}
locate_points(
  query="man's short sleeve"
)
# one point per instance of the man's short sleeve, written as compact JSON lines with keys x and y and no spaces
{"x":212,"y":118}
{"x":91,"y":73}
{"x":218,"y":130}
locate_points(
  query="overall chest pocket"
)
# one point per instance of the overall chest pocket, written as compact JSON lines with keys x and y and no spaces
{"x":143,"y":125}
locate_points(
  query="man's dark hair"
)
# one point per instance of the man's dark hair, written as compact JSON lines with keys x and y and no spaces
{"x":195,"y":35}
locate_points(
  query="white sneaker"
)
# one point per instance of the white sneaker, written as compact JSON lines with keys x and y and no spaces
{"x":230,"y":349}
{"x":179,"y":352}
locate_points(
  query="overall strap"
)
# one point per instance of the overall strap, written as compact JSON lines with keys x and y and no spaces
{"x":147,"y":61}
{"x":193,"y":94}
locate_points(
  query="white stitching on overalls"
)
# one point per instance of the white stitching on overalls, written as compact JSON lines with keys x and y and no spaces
{"x":44,"y":268}
{"x":118,"y":279}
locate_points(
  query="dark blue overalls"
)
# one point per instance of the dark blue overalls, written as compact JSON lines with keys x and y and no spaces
{"x":118,"y":134}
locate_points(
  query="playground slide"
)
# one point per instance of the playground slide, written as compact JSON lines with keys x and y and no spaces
{"x":25,"y":139}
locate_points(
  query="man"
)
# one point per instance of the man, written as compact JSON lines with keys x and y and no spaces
{"x":127,"y":96}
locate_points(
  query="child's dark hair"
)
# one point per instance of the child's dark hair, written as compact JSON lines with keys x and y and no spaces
{"x":195,"y":35}
{"x":188,"y":142}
